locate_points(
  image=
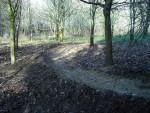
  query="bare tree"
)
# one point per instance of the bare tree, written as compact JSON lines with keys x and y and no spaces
{"x":93,"y":15}
{"x":13,"y":10}
{"x":139,"y":19}
{"x":18,"y":24}
{"x":107,"y":6}
{"x":147,"y":20}
{"x":132,"y":19}
{"x":30,"y":20}
{"x":59,"y":11}
{"x":2,"y":16}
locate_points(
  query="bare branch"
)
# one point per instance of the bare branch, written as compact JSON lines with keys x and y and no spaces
{"x":94,"y":3}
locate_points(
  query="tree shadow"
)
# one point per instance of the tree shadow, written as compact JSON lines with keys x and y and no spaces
{"x":48,"y":93}
{"x":89,"y":58}
{"x":23,"y":51}
{"x":130,"y":62}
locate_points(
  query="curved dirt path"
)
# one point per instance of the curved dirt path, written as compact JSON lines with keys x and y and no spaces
{"x":99,"y":81}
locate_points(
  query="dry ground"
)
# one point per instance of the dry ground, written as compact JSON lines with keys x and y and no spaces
{"x":34,"y":86}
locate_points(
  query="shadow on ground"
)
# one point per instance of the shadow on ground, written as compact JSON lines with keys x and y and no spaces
{"x":45,"y":92}
{"x":23,"y":51}
{"x":129,"y":61}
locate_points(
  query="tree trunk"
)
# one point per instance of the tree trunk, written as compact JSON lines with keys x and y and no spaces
{"x":1,"y":24}
{"x":18,"y":24}
{"x":108,"y":33}
{"x":132,"y":19}
{"x":57,"y":32}
{"x":62,"y":35}
{"x":17,"y":37}
{"x":147,"y":22}
{"x":30,"y":20}
{"x":92,"y":33}
{"x":93,"y":12}
{"x":12,"y":40}
{"x":31,"y":35}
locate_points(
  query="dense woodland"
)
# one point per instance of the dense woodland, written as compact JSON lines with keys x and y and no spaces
{"x":74,"y":56}
{"x":66,"y":18}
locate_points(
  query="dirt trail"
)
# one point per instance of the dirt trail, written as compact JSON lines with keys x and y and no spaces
{"x":47,"y":84}
{"x":96,"y":80}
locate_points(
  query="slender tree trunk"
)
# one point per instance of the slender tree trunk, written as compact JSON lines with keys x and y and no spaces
{"x":93,"y":12}
{"x":30,"y":20}
{"x":30,"y":34}
{"x":57,"y":32}
{"x":63,"y":15}
{"x":147,"y":22}
{"x":1,"y":31}
{"x":62,"y":34}
{"x":62,"y":29}
{"x":18,"y":28}
{"x":132,"y":19}
{"x":12,"y":40}
{"x":108,"y":33}
{"x":92,"y":33}
{"x":17,"y":37}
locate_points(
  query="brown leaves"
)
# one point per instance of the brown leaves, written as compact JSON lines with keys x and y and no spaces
{"x":128,"y":60}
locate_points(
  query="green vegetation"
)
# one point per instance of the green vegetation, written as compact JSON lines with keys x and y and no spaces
{"x":67,"y":40}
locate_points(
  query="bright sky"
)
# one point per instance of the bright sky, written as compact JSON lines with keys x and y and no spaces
{"x":37,"y":3}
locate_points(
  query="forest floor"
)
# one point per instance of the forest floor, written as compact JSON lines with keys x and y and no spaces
{"x":58,"y":79}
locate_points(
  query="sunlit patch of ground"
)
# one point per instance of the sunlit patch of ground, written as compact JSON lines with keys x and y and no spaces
{"x":71,"y":50}
{"x":129,"y":61}
{"x":35,"y":85}
{"x":68,"y":51}
{"x":85,"y":65}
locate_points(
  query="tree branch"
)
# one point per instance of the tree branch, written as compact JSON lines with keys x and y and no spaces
{"x":94,"y":3}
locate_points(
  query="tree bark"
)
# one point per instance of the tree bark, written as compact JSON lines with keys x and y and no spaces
{"x":17,"y":38}
{"x":18,"y":25}
{"x":108,"y":33}
{"x":62,"y":34}
{"x":92,"y":35}
{"x":30,"y":21}
{"x":93,"y":12}
{"x":12,"y":40}
{"x":57,"y":32}
{"x":132,"y":19}
{"x":1,"y":24}
{"x":147,"y":22}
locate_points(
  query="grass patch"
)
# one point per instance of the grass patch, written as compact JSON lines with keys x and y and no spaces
{"x":82,"y":39}
{"x":44,"y":40}
{"x":35,"y":42}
